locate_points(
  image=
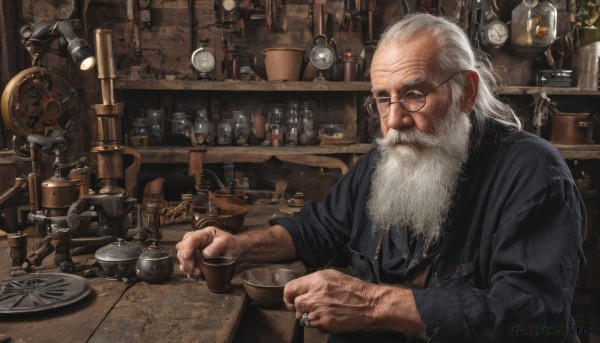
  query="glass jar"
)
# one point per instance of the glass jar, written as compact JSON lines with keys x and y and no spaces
{"x":202,"y":128}
{"x":533,"y":28}
{"x":276,"y":116}
{"x":307,"y":135}
{"x":181,"y":129}
{"x":292,"y":124}
{"x":139,"y":134}
{"x":242,"y":128}
{"x":156,"y":122}
{"x":276,"y":136}
{"x":292,"y":136}
{"x":276,"y":126}
{"x":225,"y":132}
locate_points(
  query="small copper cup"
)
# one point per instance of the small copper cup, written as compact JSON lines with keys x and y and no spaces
{"x":218,"y":272}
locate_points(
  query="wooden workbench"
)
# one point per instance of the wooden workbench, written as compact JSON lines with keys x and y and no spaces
{"x":178,"y":310}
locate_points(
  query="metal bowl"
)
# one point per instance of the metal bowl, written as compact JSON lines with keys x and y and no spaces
{"x":226,"y":196}
{"x":118,"y":259}
{"x":232,"y":216}
{"x":265,"y":285}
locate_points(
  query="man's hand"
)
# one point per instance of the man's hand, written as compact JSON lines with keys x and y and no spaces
{"x":208,"y":242}
{"x":336,"y":302}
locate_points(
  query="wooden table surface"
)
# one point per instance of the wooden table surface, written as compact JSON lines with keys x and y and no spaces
{"x":178,"y":310}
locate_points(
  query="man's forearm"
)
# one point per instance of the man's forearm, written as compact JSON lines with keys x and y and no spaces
{"x":267,"y":245}
{"x":395,"y":310}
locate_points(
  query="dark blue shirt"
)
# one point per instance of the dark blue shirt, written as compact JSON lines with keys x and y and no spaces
{"x":506,"y":266}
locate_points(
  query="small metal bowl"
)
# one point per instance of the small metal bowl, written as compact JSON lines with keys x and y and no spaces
{"x":230,"y":217}
{"x":265,"y":285}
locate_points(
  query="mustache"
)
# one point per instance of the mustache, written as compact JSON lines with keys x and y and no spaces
{"x":412,"y":137}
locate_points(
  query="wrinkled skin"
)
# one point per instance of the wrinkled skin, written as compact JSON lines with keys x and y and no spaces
{"x":332,"y":300}
{"x":215,"y":243}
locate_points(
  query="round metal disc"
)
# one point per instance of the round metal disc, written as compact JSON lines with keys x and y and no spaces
{"x":202,"y":60}
{"x":37,"y":99}
{"x":41,"y":291}
{"x":322,"y":57}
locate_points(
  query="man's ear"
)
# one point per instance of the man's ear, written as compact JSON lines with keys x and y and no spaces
{"x":470,"y":91}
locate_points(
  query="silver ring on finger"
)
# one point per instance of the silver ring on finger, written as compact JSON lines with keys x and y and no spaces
{"x":304,"y":321}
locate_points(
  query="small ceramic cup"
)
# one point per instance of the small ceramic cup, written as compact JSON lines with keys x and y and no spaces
{"x":218,"y":272}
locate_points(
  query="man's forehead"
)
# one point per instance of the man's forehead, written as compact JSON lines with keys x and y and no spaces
{"x":409,"y":83}
{"x":404,"y":65}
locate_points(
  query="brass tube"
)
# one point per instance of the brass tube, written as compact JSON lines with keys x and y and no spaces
{"x":35,"y":200}
{"x":106,"y":69}
{"x":110,"y":164}
{"x":107,"y":130}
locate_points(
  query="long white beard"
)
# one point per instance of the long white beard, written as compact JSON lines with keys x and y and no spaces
{"x":415,"y":180}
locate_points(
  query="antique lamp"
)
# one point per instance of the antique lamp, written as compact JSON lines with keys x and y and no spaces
{"x":41,"y":35}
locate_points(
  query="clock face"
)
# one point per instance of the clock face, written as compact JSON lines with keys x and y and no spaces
{"x":228,"y":5}
{"x":203,"y":61}
{"x":322,"y":57}
{"x":496,"y":34}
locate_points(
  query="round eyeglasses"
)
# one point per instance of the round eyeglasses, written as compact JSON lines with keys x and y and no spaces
{"x":412,"y":100}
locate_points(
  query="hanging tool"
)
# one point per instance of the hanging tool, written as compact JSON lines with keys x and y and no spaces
{"x":371,"y":4}
{"x":270,"y":15}
{"x":310,"y":16}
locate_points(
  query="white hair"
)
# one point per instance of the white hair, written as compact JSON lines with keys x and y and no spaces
{"x":455,"y":54}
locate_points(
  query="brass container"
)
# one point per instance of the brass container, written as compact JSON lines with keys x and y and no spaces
{"x":570,"y":128}
{"x":59,"y":192}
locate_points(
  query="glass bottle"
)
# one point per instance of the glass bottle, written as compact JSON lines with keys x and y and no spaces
{"x":139,"y":134}
{"x":242,"y":128}
{"x":533,"y":27}
{"x":307,"y":134}
{"x":276,"y":126}
{"x":156,"y":121}
{"x":224,"y":132}
{"x":201,"y":127}
{"x":292,"y":124}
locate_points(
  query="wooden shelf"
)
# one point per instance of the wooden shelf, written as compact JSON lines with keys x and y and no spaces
{"x":259,"y":154}
{"x":579,"y":152}
{"x":308,"y":86}
{"x":524,"y":90}
{"x":243,"y":86}
{"x":251,"y":154}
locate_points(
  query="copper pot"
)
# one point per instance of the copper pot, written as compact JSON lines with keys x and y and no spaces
{"x":283,"y":64}
{"x":570,"y":128}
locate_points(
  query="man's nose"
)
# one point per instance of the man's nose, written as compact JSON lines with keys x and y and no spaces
{"x":399,"y":117}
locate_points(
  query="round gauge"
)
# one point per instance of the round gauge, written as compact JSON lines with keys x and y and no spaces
{"x":228,"y":5}
{"x":322,"y":57}
{"x":495,"y":34}
{"x":203,"y":61}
